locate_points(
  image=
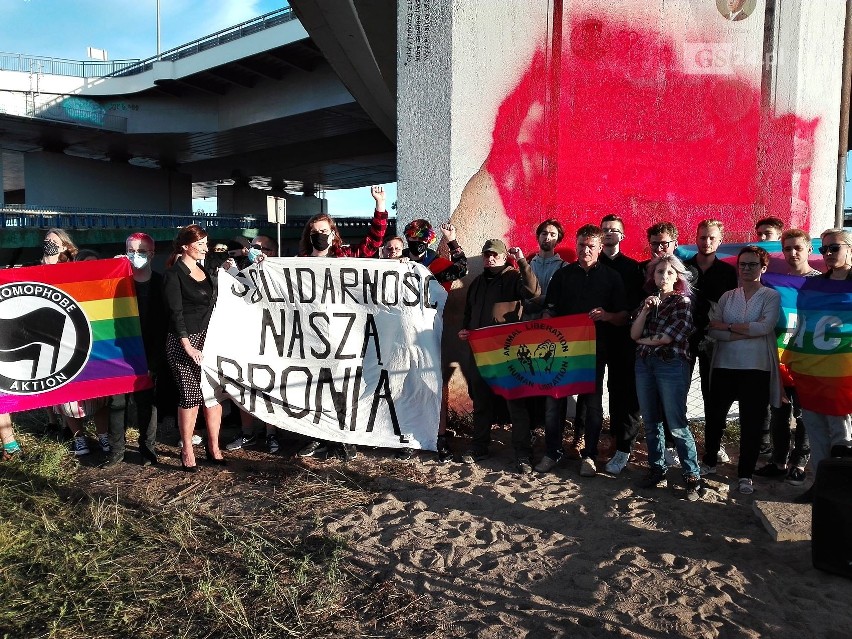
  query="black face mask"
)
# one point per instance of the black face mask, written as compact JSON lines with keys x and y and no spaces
{"x":417,"y":248}
{"x":320,"y":241}
{"x":50,"y":248}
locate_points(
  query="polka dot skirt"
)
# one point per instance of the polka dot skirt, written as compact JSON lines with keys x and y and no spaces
{"x":186,"y":372}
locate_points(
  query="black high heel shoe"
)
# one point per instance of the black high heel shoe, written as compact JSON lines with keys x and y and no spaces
{"x":188,"y":469}
{"x":216,"y":462}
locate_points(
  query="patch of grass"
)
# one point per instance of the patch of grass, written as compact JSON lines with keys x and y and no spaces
{"x":76,"y":566}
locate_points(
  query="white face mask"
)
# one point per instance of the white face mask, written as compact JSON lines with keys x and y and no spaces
{"x":138,"y":261}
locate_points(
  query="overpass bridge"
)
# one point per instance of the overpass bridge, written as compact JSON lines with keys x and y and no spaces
{"x":252,"y":110}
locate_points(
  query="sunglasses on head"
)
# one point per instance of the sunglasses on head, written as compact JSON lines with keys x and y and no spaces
{"x":825,"y":249}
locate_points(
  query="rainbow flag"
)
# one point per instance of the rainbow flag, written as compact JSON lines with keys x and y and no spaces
{"x":815,"y":339}
{"x":554,"y":357}
{"x":69,"y":332}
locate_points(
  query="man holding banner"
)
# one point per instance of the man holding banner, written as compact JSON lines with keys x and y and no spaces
{"x":496,"y":297}
{"x":585,"y":286}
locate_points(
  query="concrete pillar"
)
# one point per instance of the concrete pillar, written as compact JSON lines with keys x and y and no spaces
{"x":808,"y":59}
{"x":456,"y":60}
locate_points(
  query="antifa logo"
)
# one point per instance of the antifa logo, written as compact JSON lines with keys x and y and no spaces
{"x":45,"y":338}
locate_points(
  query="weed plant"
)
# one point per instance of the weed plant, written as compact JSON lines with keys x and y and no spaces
{"x":76,"y":566}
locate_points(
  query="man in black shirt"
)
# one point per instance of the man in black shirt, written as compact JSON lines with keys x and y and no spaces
{"x":584,"y":286}
{"x":714,"y":277}
{"x":624,"y":418}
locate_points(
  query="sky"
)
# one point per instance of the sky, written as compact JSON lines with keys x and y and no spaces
{"x":127,"y":29}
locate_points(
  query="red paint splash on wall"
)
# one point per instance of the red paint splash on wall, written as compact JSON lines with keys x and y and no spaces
{"x":628,"y":131}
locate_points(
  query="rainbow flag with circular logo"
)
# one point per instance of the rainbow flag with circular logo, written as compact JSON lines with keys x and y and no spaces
{"x":69,"y":332}
{"x":553,"y":357}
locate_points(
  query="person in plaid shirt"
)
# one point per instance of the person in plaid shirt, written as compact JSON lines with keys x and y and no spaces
{"x":661,"y":330}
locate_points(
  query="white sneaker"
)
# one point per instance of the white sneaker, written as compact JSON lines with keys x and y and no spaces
{"x":546,"y":464}
{"x":746,"y":487}
{"x":706,"y":470}
{"x":615,"y":465}
{"x":722,"y":456}
{"x":671,"y":458}
{"x":103,"y":440}
{"x":588,"y":468}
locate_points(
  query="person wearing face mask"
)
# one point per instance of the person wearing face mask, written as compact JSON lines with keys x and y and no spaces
{"x":420,"y":235}
{"x":497,"y":297}
{"x":153,"y":320}
{"x":260,"y":248}
{"x":320,"y":238}
{"x":57,"y":247}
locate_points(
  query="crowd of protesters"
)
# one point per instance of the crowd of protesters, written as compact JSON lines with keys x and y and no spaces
{"x":655,"y":320}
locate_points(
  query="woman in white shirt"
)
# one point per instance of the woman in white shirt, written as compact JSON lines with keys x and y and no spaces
{"x":744,"y":364}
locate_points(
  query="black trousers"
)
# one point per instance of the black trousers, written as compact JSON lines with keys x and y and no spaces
{"x":751,"y":388}
{"x":134,"y":409}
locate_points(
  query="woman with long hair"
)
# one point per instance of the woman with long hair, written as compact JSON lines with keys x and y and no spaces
{"x":320,"y":238}
{"x":58,"y":247}
{"x":190,"y":288}
{"x":661,"y":331}
{"x":744,"y":365}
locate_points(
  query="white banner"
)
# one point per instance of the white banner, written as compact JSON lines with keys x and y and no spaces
{"x":345,"y":350}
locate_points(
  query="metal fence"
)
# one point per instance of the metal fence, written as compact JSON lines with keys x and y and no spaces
{"x":113,"y":68}
{"x":255,"y":25}
{"x":59,"y":66}
{"x":12,"y":217}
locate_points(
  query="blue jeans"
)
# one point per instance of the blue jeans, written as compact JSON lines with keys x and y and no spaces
{"x":662,"y":388}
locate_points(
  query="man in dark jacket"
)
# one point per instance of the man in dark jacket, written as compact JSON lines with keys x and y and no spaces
{"x":496,"y":297}
{"x":153,"y":319}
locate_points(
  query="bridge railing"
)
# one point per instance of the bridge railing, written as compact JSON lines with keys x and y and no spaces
{"x":59,"y":66}
{"x":113,"y":68}
{"x":255,"y":25}
{"x":23,"y":217}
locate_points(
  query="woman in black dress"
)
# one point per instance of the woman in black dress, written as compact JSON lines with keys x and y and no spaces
{"x":189,"y":286}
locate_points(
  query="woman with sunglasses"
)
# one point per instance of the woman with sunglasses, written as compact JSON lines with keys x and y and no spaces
{"x":826,"y":431}
{"x":744,"y":367}
{"x":836,"y":251}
